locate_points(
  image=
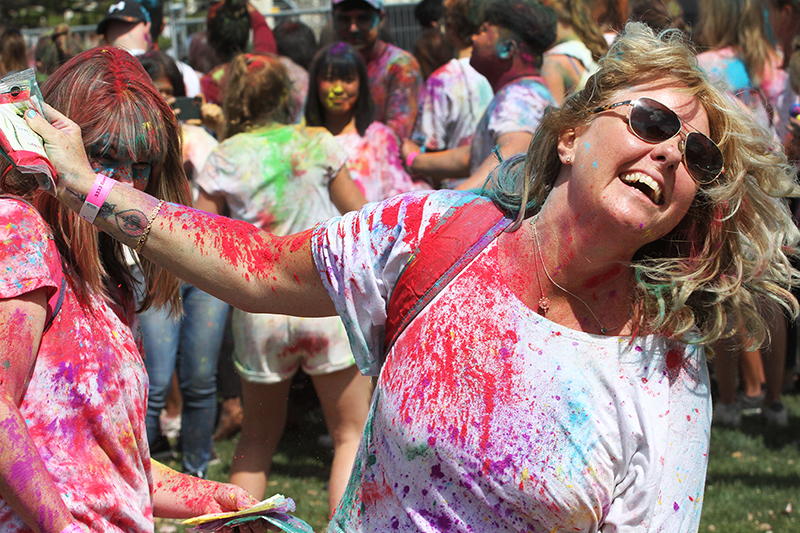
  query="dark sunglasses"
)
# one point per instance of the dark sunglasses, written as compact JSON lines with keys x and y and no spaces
{"x":654,"y":123}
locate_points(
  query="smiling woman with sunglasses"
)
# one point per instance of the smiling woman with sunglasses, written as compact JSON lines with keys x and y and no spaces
{"x":549,"y":377}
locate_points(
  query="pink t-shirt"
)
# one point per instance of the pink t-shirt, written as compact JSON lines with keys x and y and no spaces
{"x":85,"y":402}
{"x":374,"y":163}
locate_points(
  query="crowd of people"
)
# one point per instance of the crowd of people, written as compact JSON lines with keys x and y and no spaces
{"x":504,"y":260}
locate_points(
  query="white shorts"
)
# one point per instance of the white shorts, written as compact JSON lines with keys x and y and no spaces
{"x":271,"y":348}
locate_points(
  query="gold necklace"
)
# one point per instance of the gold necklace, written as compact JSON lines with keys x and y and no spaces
{"x":544,"y":302}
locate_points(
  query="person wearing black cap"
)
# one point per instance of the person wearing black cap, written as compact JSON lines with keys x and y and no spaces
{"x":127,"y":25}
{"x":394,"y":75}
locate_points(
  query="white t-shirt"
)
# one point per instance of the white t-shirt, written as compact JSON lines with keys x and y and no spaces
{"x":518,"y":106}
{"x":489,"y":417}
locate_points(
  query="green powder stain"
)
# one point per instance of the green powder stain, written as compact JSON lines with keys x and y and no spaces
{"x":6,"y":364}
{"x":412,"y":452}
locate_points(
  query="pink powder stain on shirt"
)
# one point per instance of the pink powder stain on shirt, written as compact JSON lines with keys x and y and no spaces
{"x":449,"y":375}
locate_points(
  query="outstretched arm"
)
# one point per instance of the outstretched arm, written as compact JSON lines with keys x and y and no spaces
{"x":24,"y":481}
{"x":232,"y":260}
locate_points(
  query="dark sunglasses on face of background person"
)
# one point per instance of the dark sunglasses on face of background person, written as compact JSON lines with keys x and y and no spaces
{"x":654,"y":123}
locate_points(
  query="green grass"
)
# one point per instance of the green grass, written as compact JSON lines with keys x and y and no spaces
{"x":753,"y":473}
{"x":753,"y":481}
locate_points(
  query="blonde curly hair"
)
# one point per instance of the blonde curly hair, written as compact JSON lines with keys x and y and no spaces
{"x":710,"y":276}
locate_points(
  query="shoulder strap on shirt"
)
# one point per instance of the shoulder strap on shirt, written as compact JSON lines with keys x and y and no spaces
{"x":459,"y":236}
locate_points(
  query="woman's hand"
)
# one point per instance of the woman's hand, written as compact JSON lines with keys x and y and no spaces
{"x":231,"y":498}
{"x":213,"y":118}
{"x":63,"y":144}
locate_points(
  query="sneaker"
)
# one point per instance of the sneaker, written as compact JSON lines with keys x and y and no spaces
{"x":776,"y":415}
{"x":727,"y":414}
{"x":170,"y":427}
{"x":750,"y":405}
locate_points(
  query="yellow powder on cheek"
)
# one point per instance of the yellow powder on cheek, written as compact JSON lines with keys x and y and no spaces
{"x":333,"y":93}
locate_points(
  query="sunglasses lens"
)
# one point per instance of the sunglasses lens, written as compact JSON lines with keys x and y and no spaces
{"x":653,"y":122}
{"x":703,"y":158}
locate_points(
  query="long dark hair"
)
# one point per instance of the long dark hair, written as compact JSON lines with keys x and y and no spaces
{"x":339,"y":61}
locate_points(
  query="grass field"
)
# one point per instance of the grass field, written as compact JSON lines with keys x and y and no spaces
{"x":753,"y":480}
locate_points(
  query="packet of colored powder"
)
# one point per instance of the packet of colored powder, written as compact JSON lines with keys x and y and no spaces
{"x":274,"y":510}
{"x":18,"y":142}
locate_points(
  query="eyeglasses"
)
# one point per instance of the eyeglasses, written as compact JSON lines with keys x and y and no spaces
{"x":654,"y":123}
{"x":364,"y":21}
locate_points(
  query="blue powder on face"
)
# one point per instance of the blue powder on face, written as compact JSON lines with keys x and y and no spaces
{"x":595,"y":165}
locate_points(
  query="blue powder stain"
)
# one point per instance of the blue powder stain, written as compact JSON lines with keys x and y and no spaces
{"x":586,"y":145}
{"x":595,"y":165}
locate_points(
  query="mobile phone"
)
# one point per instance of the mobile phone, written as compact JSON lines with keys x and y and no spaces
{"x":189,"y":107}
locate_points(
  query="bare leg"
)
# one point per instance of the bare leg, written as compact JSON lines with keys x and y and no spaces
{"x":774,"y":355}
{"x":752,"y":371}
{"x":345,"y":397}
{"x":174,"y":400}
{"x":726,"y":367}
{"x":262,"y":427}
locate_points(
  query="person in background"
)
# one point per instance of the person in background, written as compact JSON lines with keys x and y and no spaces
{"x":579,"y":44}
{"x":394,"y":76}
{"x":740,"y":54}
{"x":127,"y":25}
{"x":557,"y":380}
{"x":54,"y":49}
{"x":189,"y":344}
{"x":73,"y":388}
{"x":660,"y":14}
{"x":432,"y":49}
{"x":455,"y":95}
{"x":13,"y":52}
{"x":341,"y":103}
{"x":743,"y":59}
{"x":284,"y":178}
{"x":611,"y":16}
{"x":507,"y":49}
{"x":296,"y":41}
{"x":229,"y":24}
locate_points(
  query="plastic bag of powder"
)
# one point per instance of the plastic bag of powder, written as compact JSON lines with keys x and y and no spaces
{"x":18,"y":142}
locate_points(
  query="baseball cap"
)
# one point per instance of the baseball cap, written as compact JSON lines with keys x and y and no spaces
{"x":377,"y":4}
{"x":125,"y":11}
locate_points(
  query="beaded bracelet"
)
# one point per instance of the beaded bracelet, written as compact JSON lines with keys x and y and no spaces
{"x":97,"y":196}
{"x":146,"y":232}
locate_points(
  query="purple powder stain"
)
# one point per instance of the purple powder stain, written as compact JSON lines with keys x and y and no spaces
{"x":436,"y":472}
{"x":675,"y":506}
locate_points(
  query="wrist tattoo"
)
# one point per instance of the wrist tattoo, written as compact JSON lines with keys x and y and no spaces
{"x":131,"y":222}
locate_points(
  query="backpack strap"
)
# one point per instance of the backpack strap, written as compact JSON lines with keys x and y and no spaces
{"x":460,"y":235}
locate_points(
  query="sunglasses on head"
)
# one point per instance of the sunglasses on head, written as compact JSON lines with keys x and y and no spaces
{"x":654,"y":123}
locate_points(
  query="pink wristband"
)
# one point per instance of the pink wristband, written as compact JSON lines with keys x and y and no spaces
{"x":73,"y":528}
{"x":96,"y":197}
{"x":410,"y":159}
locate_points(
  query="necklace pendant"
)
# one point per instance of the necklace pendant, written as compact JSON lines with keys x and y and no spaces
{"x":544,"y":305}
{"x":603,"y":330}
